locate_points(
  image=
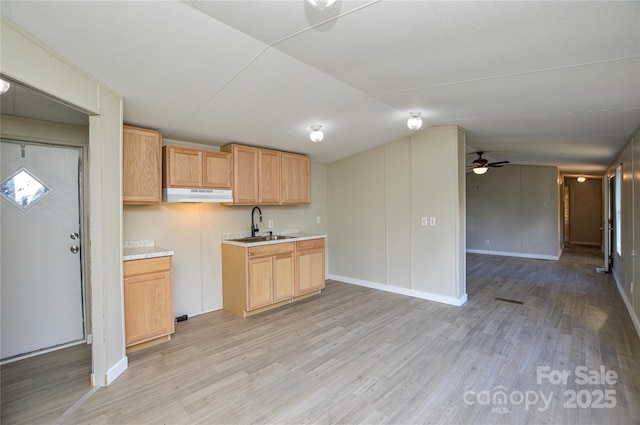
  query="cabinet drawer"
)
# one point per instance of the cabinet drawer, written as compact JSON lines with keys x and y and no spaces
{"x":310,"y":244}
{"x":147,"y":265}
{"x":269,"y":250}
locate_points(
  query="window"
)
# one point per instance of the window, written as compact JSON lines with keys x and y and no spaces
{"x":618,"y":200}
{"x":23,"y":189}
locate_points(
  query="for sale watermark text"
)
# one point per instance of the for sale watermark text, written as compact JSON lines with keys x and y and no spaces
{"x":581,"y":375}
{"x":595,"y":396}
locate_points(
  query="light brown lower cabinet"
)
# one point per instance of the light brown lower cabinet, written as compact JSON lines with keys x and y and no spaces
{"x":260,"y":278}
{"x":148,"y":302}
{"x":310,"y":266}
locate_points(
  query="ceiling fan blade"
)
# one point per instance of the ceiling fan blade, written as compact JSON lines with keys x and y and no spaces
{"x":499,"y":163}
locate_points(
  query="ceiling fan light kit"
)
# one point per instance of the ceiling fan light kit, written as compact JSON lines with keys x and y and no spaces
{"x":481,"y":165}
{"x":414,"y":122}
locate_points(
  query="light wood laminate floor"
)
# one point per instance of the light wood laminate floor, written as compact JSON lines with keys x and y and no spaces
{"x":355,"y":355}
{"x":38,"y":390}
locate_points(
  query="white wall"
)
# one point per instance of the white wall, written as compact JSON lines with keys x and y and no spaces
{"x":516,"y":210}
{"x":26,"y":60}
{"x":376,"y":201}
{"x":194,"y":231}
{"x":626,"y":267}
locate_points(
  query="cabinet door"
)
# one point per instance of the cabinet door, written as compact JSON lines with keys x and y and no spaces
{"x":148,"y":306}
{"x":269,"y":177}
{"x":295,"y":179}
{"x":259,"y":291}
{"x":284,"y":277}
{"x":216,"y":170}
{"x":141,"y":166}
{"x":183,"y":167}
{"x":245,"y":175}
{"x":309,"y":266}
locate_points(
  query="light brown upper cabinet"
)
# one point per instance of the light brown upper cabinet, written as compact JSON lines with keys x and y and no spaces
{"x":190,"y":168}
{"x":245,"y":173}
{"x":295,"y":179}
{"x":268,"y":177}
{"x":141,"y":166}
{"x":216,"y":170}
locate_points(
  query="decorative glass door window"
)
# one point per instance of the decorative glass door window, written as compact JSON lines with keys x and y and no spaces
{"x":23,"y":189}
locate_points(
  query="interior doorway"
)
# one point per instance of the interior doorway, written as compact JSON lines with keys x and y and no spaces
{"x":583,"y":210}
{"x":57,"y":376}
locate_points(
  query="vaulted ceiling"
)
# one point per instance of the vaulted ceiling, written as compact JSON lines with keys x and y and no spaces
{"x":545,"y":83}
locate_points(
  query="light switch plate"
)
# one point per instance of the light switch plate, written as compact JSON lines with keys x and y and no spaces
{"x":425,"y":221}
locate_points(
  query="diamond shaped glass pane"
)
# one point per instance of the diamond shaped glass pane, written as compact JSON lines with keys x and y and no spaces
{"x":23,"y":189}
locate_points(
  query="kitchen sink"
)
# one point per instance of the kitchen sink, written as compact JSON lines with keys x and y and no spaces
{"x":263,"y":238}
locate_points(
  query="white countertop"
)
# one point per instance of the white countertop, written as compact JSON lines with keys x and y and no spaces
{"x":139,"y":250}
{"x":296,"y":238}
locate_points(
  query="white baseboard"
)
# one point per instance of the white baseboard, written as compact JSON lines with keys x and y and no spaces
{"x":116,"y":370}
{"x":402,"y":291}
{"x":514,"y":254}
{"x":627,"y":303}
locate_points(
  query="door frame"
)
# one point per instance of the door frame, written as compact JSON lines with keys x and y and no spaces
{"x":73,"y":138}
{"x":24,"y":57}
{"x":607,"y":223}
{"x":604,"y":246}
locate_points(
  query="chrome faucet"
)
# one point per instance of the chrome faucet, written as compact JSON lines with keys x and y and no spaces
{"x":254,"y":225}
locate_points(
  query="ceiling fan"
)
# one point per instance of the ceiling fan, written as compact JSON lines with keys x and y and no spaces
{"x":481,"y":165}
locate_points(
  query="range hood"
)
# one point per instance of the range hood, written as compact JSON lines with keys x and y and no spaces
{"x":174,"y":194}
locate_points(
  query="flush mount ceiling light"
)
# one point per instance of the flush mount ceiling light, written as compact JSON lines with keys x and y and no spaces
{"x":581,"y":179}
{"x":316,"y":135}
{"x":480,"y":170}
{"x":414,"y":122}
{"x":322,"y":4}
{"x":4,"y":86}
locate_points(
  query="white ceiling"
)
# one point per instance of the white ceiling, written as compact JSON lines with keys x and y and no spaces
{"x":547,"y":83}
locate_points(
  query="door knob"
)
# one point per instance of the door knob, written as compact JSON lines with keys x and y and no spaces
{"x":74,"y":235}
{"x":74,"y":249}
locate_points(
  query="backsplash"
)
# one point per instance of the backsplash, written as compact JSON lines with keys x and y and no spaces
{"x":139,"y":244}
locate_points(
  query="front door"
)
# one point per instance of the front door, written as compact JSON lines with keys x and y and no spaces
{"x":41,"y":284}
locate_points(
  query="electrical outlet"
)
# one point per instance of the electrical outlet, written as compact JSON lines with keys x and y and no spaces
{"x":270,"y":224}
{"x":432,"y":221}
{"x":486,"y":241}
{"x":425,"y":221}
{"x":318,"y":220}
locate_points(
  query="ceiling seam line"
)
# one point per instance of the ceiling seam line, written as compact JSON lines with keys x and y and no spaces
{"x":236,"y":75}
{"x":495,"y":77}
{"x":324,"y":22}
{"x":267,"y":47}
{"x":547,"y":114}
